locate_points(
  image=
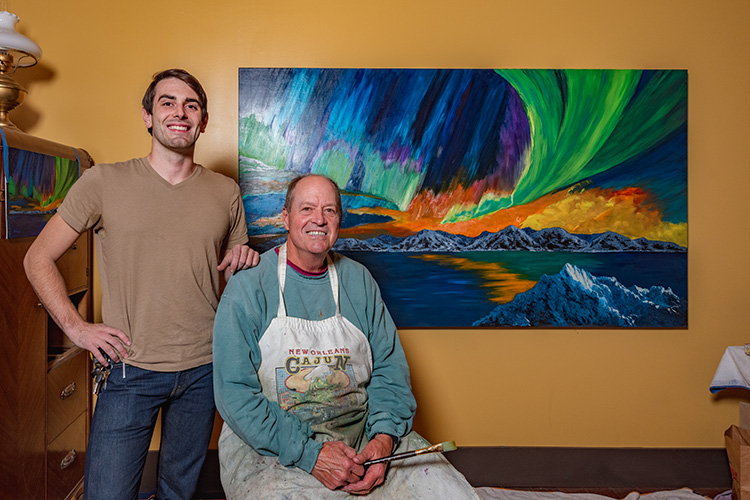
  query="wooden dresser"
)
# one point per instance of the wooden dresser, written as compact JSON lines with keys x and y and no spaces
{"x":45,"y":394}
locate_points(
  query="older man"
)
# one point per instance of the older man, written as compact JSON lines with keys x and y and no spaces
{"x":310,"y":376}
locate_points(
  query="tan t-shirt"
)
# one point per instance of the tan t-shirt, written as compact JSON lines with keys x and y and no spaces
{"x":158,"y":247}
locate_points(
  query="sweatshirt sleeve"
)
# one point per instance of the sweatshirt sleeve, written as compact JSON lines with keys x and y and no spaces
{"x":238,"y":327}
{"x":391,"y":403}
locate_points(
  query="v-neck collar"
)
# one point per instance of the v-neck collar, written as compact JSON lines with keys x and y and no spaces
{"x":165,"y":182}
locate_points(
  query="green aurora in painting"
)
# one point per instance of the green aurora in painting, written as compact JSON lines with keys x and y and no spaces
{"x":584,"y":122}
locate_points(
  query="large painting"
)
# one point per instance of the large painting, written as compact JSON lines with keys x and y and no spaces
{"x":35,"y":184}
{"x":486,"y":198}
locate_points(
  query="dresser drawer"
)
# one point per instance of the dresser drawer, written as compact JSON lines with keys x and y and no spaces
{"x":74,"y":263}
{"x":66,"y":457}
{"x":67,"y":396}
{"x":76,"y":494}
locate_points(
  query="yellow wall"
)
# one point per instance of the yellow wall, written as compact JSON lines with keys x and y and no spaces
{"x":634,"y":388}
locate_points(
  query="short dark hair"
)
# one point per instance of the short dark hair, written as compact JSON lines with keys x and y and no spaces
{"x":293,"y":186}
{"x":148,"y":98}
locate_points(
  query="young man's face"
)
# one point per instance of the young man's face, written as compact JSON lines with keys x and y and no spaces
{"x":176,"y":117}
{"x":313,"y":222}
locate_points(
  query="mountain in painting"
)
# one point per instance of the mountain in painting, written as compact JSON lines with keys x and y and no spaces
{"x":575,"y":297}
{"x":510,"y":238}
{"x":382,"y":243}
{"x":556,"y":239}
{"x":427,"y":240}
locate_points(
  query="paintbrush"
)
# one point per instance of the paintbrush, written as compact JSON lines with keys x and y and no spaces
{"x":442,"y":448}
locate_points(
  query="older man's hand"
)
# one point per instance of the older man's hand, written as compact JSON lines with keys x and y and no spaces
{"x":378,"y":447}
{"x":335,"y":467}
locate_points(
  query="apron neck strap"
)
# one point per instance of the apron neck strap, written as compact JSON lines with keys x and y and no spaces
{"x":281,"y":272}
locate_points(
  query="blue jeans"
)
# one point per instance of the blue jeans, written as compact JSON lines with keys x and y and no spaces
{"x":123,"y":423}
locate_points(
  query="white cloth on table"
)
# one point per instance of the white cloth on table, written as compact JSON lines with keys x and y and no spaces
{"x":733,"y":370}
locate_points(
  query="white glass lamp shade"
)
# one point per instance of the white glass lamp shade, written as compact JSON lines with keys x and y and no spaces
{"x":25,"y":51}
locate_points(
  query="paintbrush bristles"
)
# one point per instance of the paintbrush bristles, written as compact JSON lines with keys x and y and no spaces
{"x":449,"y":446}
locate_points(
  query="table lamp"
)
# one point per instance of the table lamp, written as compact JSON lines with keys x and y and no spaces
{"x":16,"y":51}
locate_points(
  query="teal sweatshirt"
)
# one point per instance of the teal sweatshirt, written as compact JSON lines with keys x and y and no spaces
{"x":249,"y":303}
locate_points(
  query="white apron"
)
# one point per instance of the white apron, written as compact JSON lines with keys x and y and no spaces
{"x":318,"y":370}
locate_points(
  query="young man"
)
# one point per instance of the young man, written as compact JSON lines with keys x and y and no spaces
{"x":166,"y":228}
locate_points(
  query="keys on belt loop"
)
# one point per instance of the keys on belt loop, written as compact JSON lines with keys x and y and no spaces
{"x":101,"y":372}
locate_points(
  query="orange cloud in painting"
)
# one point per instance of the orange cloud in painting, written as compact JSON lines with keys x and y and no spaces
{"x":625,"y":211}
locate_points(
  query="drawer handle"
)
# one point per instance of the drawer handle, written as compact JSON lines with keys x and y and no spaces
{"x":68,"y":460}
{"x":68,"y":391}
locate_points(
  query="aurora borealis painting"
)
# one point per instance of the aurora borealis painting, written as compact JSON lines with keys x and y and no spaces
{"x":486,"y":198}
{"x":35,"y":184}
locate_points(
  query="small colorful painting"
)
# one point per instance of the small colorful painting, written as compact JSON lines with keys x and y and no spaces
{"x":486,"y":198}
{"x":36,"y":184}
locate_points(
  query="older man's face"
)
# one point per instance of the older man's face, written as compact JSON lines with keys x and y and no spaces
{"x":313,"y":222}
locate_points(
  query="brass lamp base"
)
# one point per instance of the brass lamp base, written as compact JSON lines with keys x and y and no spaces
{"x":11,"y":95}
{"x":16,"y":51}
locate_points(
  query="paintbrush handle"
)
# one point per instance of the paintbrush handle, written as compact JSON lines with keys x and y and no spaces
{"x":406,"y":454}
{"x":398,"y":456}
